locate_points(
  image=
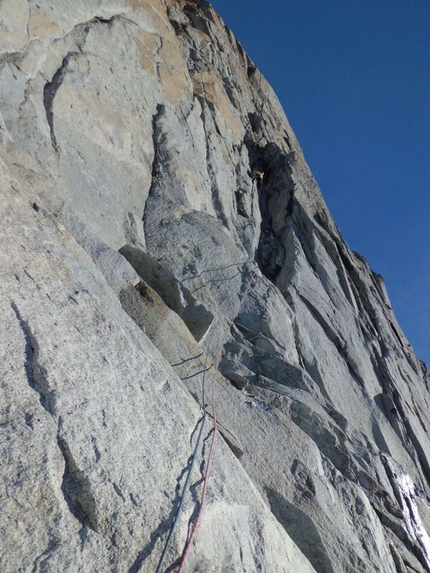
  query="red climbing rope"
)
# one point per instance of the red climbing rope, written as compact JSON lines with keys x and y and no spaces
{"x":205,"y":483}
{"x":215,"y":427}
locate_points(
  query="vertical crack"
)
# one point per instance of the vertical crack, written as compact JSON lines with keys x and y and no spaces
{"x":79,"y":34}
{"x":76,"y":489}
{"x":156,"y":168}
{"x":49,"y":93}
{"x":157,"y":136}
{"x":36,"y":374}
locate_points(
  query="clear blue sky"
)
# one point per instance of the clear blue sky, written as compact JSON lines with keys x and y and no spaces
{"x":354,"y":79}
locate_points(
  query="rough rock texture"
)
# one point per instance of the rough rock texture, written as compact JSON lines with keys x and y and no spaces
{"x":134,"y":243}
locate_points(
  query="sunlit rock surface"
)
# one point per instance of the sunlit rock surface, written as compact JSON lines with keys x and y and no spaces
{"x":137,"y":252}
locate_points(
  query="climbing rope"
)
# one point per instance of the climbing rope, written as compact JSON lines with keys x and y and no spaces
{"x":190,"y":469}
{"x":215,"y":425}
{"x":199,"y":438}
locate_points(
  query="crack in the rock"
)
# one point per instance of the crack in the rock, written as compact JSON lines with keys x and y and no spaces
{"x":398,"y":561}
{"x":156,"y":167}
{"x":296,"y":332}
{"x":76,"y":489}
{"x":270,"y":160}
{"x":328,"y":330}
{"x":39,"y":561}
{"x":236,"y":450}
{"x":36,"y":374}
{"x":158,"y":60}
{"x":156,"y":134}
{"x":49,"y":93}
{"x":51,"y":88}
{"x":86,"y":26}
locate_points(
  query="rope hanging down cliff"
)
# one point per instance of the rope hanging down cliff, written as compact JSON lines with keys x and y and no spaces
{"x":198,"y":442}
{"x":193,"y":459}
{"x":215,"y":426}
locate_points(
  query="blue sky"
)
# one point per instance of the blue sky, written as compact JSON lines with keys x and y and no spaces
{"x":354,"y":79}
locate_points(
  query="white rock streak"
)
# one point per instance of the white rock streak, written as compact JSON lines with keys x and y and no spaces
{"x":412,"y":516}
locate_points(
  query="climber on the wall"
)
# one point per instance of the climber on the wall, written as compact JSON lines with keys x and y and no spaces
{"x":242,"y":203}
{"x":257,"y":176}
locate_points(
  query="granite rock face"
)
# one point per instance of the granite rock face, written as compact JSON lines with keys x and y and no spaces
{"x":138,"y":252}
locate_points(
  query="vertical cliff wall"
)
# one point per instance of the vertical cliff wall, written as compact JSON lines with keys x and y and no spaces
{"x":138,"y":252}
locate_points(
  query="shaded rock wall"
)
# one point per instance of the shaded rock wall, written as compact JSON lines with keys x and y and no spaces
{"x":137,"y":252}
